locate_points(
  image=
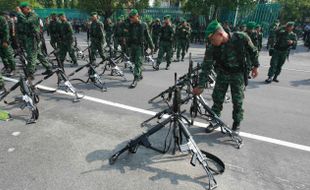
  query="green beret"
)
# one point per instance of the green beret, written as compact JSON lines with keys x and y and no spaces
{"x":53,"y":14}
{"x":258,"y":26}
{"x":93,"y":13}
{"x":167,"y":17}
{"x":133,"y":12}
{"x":290,"y":23}
{"x":61,"y":14}
{"x":212,"y":28}
{"x":157,"y":19}
{"x":251,"y":25}
{"x":24,"y":4}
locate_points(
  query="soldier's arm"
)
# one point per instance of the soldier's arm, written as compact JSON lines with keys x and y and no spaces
{"x":293,"y":37}
{"x":101,"y":30}
{"x":252,"y":52}
{"x":207,"y":66}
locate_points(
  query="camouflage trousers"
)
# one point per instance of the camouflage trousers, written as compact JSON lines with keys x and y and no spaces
{"x":136,"y":56}
{"x":155,"y":39}
{"x":94,"y":47}
{"x":6,"y":55}
{"x":53,"y":42}
{"x":181,"y":46}
{"x":34,"y":53}
{"x":165,"y":47}
{"x":236,"y":83}
{"x":276,"y":62}
{"x":66,"y":47}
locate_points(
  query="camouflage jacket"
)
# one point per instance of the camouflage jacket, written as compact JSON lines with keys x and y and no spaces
{"x":182,"y":32}
{"x":166,"y":33}
{"x":28,"y":26}
{"x":96,"y":32}
{"x":281,"y":39}
{"x":230,"y":57}
{"x":53,"y":28}
{"x":65,"y":32}
{"x":138,"y":34}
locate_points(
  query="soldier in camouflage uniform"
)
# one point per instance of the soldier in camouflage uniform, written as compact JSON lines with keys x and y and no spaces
{"x":156,"y":26}
{"x":66,"y":41}
{"x":6,"y":51}
{"x":166,"y":38}
{"x":182,"y":33}
{"x":53,"y":29}
{"x":28,"y":24}
{"x":137,"y":36}
{"x":97,"y":37}
{"x":227,"y":52}
{"x":284,"y":40}
{"x":250,"y":30}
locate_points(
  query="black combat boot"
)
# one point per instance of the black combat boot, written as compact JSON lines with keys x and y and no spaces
{"x":236,"y":126}
{"x":47,"y":72}
{"x":269,"y":80}
{"x":156,"y":67}
{"x":134,"y":82}
{"x":275,"y":79}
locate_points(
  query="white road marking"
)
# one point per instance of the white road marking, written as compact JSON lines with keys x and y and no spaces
{"x":15,"y":134}
{"x":198,"y":124}
{"x":11,"y":149}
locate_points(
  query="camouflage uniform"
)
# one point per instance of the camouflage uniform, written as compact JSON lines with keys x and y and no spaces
{"x":66,"y":42}
{"x":97,"y":38}
{"x":281,"y":50}
{"x":137,"y":36}
{"x":166,"y":38}
{"x":6,"y":53}
{"x":29,"y":36}
{"x":118,"y":33}
{"x":109,"y":32}
{"x":229,"y":65}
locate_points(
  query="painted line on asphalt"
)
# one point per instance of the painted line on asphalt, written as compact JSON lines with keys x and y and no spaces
{"x":198,"y":124}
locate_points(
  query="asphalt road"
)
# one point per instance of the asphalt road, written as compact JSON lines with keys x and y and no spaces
{"x":69,"y":146}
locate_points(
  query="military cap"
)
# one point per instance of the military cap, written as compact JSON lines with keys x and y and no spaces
{"x":251,"y":25}
{"x":93,"y":13}
{"x":61,"y":14}
{"x":133,"y":12}
{"x":157,"y":19}
{"x":212,"y":28}
{"x":290,"y":23}
{"x":53,"y":14}
{"x":24,"y":4}
{"x":167,"y":17}
{"x":258,"y":26}
{"x":120,"y":17}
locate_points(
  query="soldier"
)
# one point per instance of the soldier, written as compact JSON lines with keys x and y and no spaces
{"x":97,"y":37}
{"x":66,"y":41}
{"x":53,"y":29}
{"x":28,"y":24}
{"x":227,"y":52}
{"x":259,"y":37}
{"x":250,"y":30}
{"x":189,"y":36}
{"x":166,"y":38}
{"x":155,"y":33}
{"x":182,"y":34}
{"x":6,"y":51}
{"x":137,"y":36}
{"x":284,"y":40}
{"x":109,"y":31}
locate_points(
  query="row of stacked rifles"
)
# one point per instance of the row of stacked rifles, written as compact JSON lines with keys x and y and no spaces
{"x":173,"y":117}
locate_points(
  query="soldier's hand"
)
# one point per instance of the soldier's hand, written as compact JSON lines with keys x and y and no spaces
{"x":197,"y":91}
{"x":18,"y":9}
{"x":5,"y":45}
{"x":254,"y":72}
{"x":290,"y":42}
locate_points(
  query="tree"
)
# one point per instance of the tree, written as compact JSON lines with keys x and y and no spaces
{"x":205,"y":7}
{"x":6,"y":5}
{"x":108,"y":7}
{"x":295,"y":10}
